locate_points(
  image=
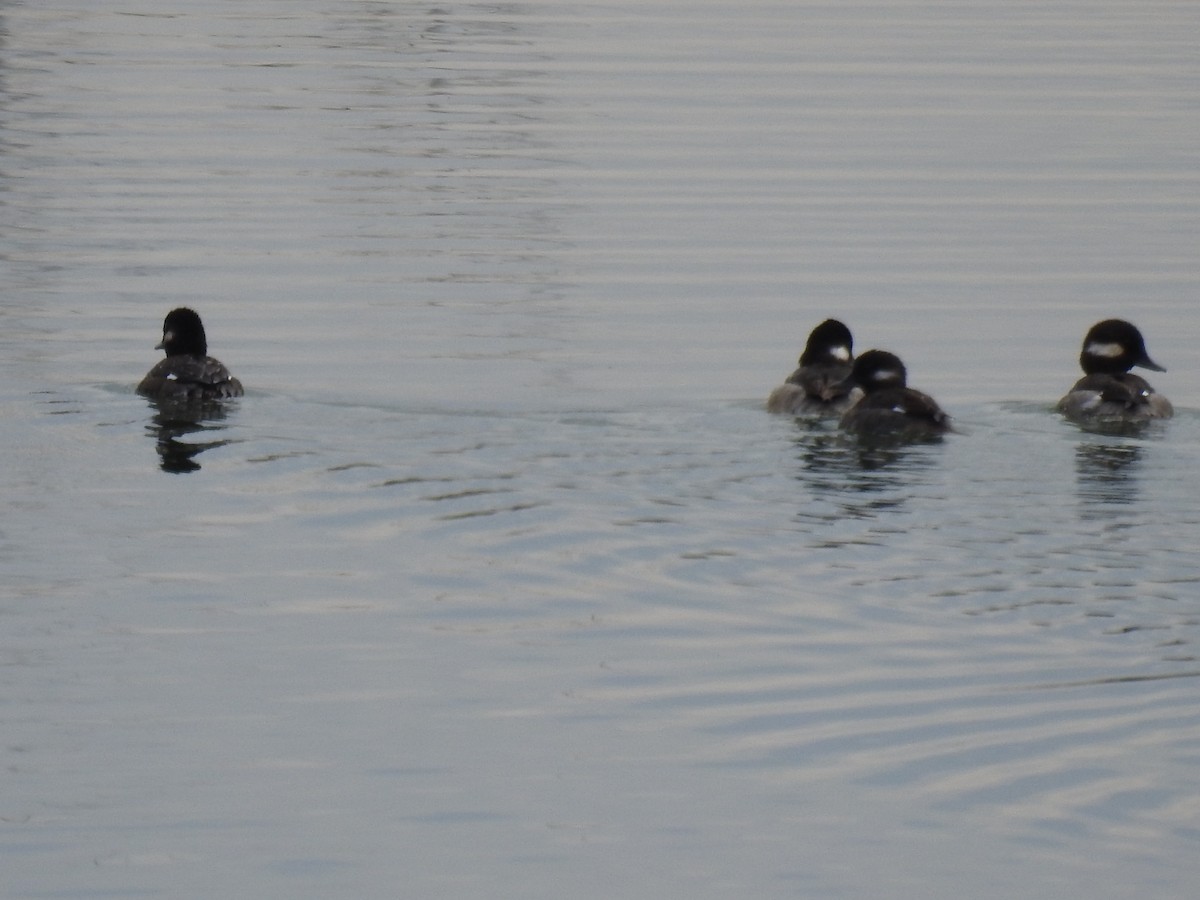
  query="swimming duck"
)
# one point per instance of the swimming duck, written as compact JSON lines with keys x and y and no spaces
{"x":188,"y":373}
{"x":889,"y":407}
{"x":818,"y":386}
{"x":1108,"y":393}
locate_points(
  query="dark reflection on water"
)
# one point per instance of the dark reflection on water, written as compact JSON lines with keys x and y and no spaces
{"x":172,"y":422}
{"x":1106,"y":473}
{"x":860,"y":477}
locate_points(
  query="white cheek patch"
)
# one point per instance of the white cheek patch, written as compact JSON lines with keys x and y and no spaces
{"x":885,"y":375}
{"x":841,"y":352}
{"x":1108,"y":351}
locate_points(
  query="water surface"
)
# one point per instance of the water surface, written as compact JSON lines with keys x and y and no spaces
{"x":499,"y":581}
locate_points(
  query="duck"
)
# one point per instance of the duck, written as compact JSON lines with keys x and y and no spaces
{"x":889,"y":408}
{"x":818,"y":386}
{"x":188,"y":373}
{"x":1108,"y":393}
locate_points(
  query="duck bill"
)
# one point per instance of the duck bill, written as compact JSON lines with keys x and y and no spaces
{"x":162,"y":345}
{"x":1147,"y":363}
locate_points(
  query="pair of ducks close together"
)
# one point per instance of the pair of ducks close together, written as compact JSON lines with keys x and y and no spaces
{"x":872,"y":396}
{"x":870,"y":393}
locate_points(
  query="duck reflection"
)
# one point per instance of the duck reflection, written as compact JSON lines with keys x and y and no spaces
{"x":861,"y":477}
{"x":1106,"y":472}
{"x":173,"y":421}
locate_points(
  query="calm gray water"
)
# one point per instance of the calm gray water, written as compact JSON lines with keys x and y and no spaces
{"x":499,"y":582}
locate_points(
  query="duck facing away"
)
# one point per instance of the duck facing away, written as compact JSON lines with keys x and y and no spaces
{"x":889,"y":407}
{"x":819,"y":386}
{"x":1108,"y":393}
{"x":188,"y":373}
